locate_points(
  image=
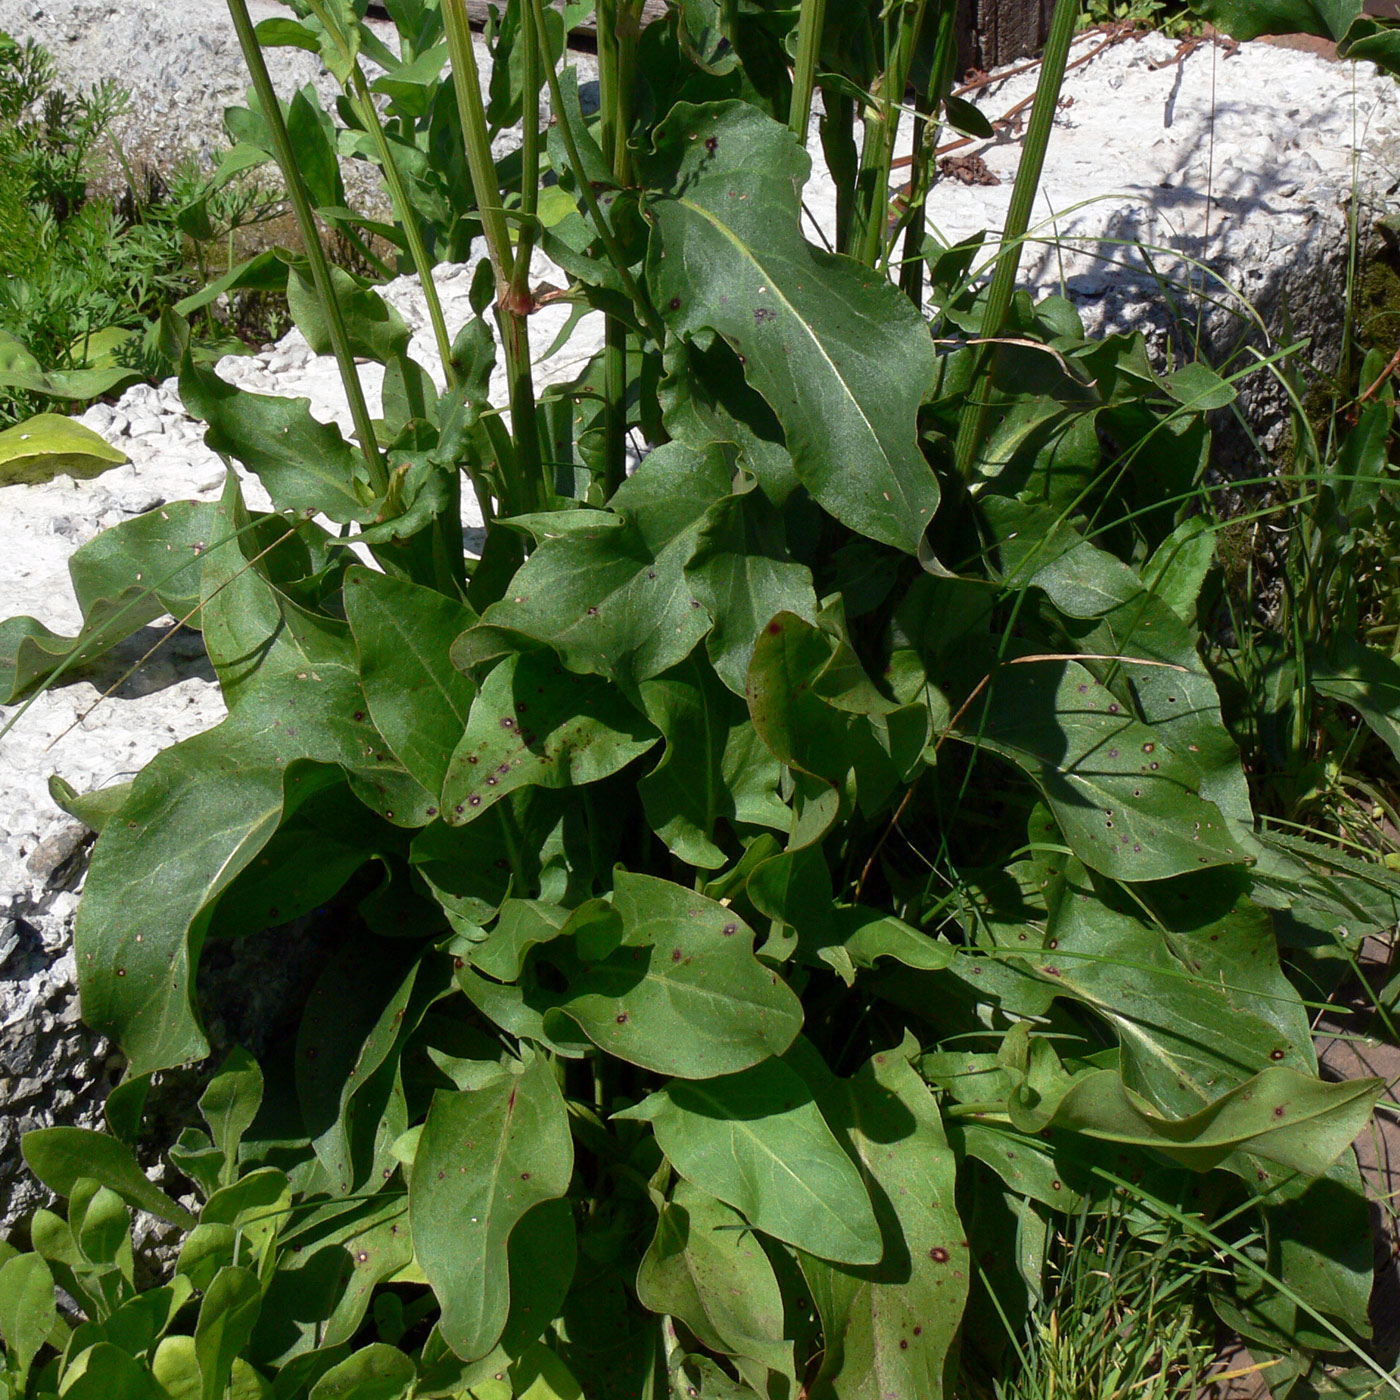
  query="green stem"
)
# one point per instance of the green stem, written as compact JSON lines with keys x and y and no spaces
{"x":380,"y":267}
{"x":881,"y":129}
{"x":466,"y":82}
{"x":403,"y":211}
{"x":315,"y":254}
{"x":515,"y":844}
{"x":809,"y":45}
{"x":614,"y":405}
{"x":617,"y":47}
{"x":520,"y":299}
{"x":838,"y":126}
{"x":911,"y":277}
{"x":524,"y":493}
{"x":531,"y":36}
{"x":449,"y":569}
{"x":595,"y":211}
{"x":609,"y":74}
{"x":978,"y":408}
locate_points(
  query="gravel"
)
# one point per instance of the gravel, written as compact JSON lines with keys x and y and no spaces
{"x":181,"y":63}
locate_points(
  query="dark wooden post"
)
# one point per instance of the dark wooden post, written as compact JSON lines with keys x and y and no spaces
{"x":996,"y":32}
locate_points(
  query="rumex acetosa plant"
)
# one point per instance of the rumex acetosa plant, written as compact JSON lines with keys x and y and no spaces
{"x":775,"y":883}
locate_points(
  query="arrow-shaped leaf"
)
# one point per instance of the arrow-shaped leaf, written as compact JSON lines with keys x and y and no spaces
{"x":841,"y":356}
{"x":758,"y":1141}
{"x":486,"y":1157}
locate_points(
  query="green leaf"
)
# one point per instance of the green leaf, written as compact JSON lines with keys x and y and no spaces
{"x":94,"y":809}
{"x":320,"y":1292}
{"x":707,"y":1268}
{"x":705,"y":400}
{"x":139,"y":1323}
{"x":534,"y":723}
{"x":201,"y":812}
{"x":757,"y":1141}
{"x":193,"y":1154}
{"x":1371,"y":40}
{"x":100,"y":1222}
{"x":543,"y":1254}
{"x":41,"y":448}
{"x":207,"y":1248}
{"x":541,"y":1375}
{"x":1318,"y":1245}
{"x":176,"y":1366}
{"x":817,"y":712}
{"x":313,"y":138}
{"x":607,"y":590}
{"x":257,"y":1205}
{"x":375,"y":1372}
{"x":795,"y":888}
{"x":285,"y":33}
{"x":743,"y":575}
{"x":375,"y":329}
{"x":349,"y":1031}
{"x":485,"y":1158}
{"x":1178,"y":566}
{"x":1360,"y":473}
{"x":468,"y":868}
{"x":125,"y":578}
{"x":1289,"y":1120}
{"x":264,"y":272}
{"x":314,"y":852}
{"x":139,"y":991}
{"x":715,"y":768}
{"x":889,"y":1327}
{"x":226,"y":1320}
{"x":20,"y":370}
{"x":1178,"y":700}
{"x":306,"y":466}
{"x":704,"y":1379}
{"x":1365,"y":679}
{"x":1248,"y":19}
{"x":27,"y":1310}
{"x":969,"y":120}
{"x":60,"y":1157}
{"x":1195,"y":995}
{"x":1128,"y":805}
{"x":418,"y":699}
{"x":160,"y":553}
{"x":841,"y":356}
{"x":230,"y":1103}
{"x":1198,"y":388}
{"x":105,"y":1373}
{"x":683,"y":993}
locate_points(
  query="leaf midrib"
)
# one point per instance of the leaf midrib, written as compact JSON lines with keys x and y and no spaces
{"x":735,"y":1127}
{"x":745,"y":250}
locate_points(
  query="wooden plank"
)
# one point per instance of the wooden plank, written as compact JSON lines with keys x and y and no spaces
{"x":998,"y":32}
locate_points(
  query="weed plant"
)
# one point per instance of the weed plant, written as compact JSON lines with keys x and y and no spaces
{"x":784,"y":893}
{"x":86,"y":277}
{"x":1173,"y":18}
